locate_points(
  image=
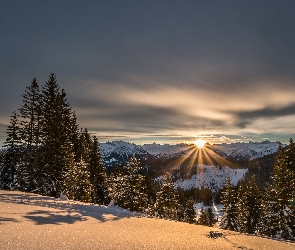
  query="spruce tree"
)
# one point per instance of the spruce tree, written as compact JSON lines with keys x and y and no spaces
{"x":12,"y":154}
{"x":249,"y":207}
{"x":75,"y":137}
{"x":30,"y":116}
{"x":211,"y":217}
{"x":127,"y":187}
{"x":97,"y":173}
{"x":278,"y":215}
{"x":166,"y":205}
{"x":207,"y":217}
{"x":202,"y":220}
{"x":289,"y":156}
{"x":57,"y":147}
{"x":76,"y":183}
{"x":188,"y":212}
{"x":30,"y":135}
{"x":229,"y":201}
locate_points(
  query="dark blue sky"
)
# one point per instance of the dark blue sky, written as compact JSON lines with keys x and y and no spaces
{"x":159,"y":71}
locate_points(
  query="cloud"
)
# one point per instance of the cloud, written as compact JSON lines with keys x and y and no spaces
{"x":245,"y":118}
{"x":156,"y":68}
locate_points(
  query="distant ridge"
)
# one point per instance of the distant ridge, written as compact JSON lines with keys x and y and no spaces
{"x":237,"y":151}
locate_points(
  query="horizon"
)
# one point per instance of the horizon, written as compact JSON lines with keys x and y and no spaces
{"x":163,"y":71}
{"x":193,"y":142}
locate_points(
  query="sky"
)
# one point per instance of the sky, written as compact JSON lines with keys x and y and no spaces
{"x":157,"y":71}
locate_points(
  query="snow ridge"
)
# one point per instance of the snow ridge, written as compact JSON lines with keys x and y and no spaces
{"x":249,"y":150}
{"x":121,"y":147}
{"x":237,"y":151}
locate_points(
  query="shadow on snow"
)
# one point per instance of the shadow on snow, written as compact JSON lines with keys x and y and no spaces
{"x":68,"y":212}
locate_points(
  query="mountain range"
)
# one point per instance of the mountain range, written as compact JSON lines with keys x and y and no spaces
{"x":119,"y":151}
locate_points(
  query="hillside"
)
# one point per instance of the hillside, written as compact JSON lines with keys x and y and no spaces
{"x":30,"y":221}
{"x":211,"y":177}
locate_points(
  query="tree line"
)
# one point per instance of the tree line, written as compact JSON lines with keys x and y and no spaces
{"x":269,"y":211}
{"x":46,"y":152}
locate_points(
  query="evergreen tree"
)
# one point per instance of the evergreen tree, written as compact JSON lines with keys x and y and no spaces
{"x":151,"y":188}
{"x":207,"y":217}
{"x":249,"y":207}
{"x":30,"y":116}
{"x":82,"y":144}
{"x":30,"y":134}
{"x":278,"y":215}
{"x":189,"y":212}
{"x":229,"y":201}
{"x":75,"y":137}
{"x":166,"y":205}
{"x":11,"y":158}
{"x":77,"y":184}
{"x":202,"y":220}
{"x":127,"y":187}
{"x":289,"y":156}
{"x":98,"y":175}
{"x":57,"y":147}
{"x":211,"y":217}
{"x":186,"y":211}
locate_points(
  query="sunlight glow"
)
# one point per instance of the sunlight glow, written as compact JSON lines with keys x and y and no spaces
{"x":198,"y":156}
{"x":200,"y":143}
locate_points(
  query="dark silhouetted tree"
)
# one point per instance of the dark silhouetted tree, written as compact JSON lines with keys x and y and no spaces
{"x":11,"y":158}
{"x":57,"y":148}
{"x":229,"y":201}
{"x":278,"y":215}
{"x":30,"y":135}
{"x":166,"y":205}
{"x":249,"y":207}
{"x":207,"y":217}
{"x":98,"y":175}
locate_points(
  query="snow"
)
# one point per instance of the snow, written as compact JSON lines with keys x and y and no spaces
{"x":216,"y":209}
{"x":40,"y":222}
{"x":211,"y":177}
{"x":120,"y":147}
{"x":166,"y":150}
{"x":241,"y":151}
{"x":249,"y":150}
{"x":63,"y":197}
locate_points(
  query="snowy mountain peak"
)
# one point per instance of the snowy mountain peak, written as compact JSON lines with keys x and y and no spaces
{"x":247,"y":151}
{"x":121,"y":148}
{"x":237,"y":151}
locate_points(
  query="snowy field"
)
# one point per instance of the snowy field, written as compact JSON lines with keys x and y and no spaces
{"x":216,"y":209}
{"x":211,"y":177}
{"x":30,"y":221}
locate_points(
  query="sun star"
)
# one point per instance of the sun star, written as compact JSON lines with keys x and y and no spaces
{"x":200,"y":143}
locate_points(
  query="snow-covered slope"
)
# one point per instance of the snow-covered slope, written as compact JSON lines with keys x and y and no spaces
{"x":247,"y":151}
{"x":212,"y":177}
{"x":121,"y":147}
{"x":30,"y":221}
{"x":166,"y":150}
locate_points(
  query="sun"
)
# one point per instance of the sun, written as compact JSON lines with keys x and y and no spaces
{"x":200,"y":143}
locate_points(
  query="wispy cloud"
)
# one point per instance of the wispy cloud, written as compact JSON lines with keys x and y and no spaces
{"x":146,"y":68}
